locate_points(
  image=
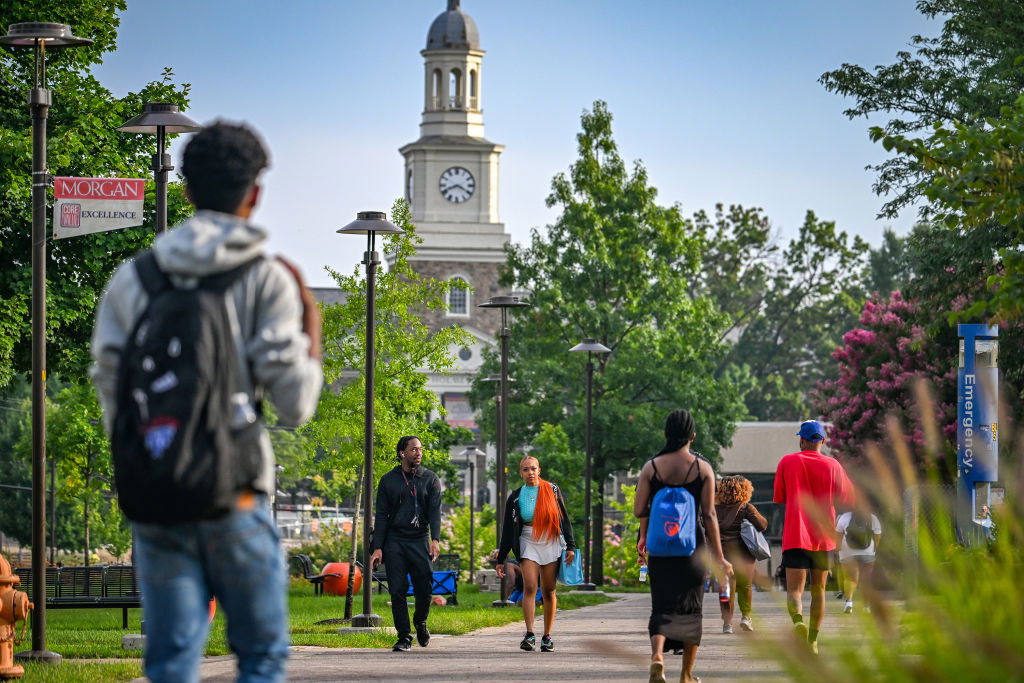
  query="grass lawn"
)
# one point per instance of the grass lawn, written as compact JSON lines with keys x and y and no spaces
{"x":96,"y":633}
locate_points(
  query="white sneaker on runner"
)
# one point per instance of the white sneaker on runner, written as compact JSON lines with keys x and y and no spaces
{"x":746,"y":625}
{"x":849,"y":607}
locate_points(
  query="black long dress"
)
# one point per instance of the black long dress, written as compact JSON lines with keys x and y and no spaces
{"x":677,"y":583}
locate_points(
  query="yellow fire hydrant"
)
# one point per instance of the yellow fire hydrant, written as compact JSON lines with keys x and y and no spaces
{"x":14,"y":607}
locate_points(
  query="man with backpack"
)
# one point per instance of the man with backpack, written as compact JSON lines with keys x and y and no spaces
{"x":190,"y":337}
{"x":860,"y":532}
{"x":809,"y":484}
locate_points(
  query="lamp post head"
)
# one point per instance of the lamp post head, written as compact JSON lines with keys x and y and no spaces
{"x":472,"y":451}
{"x":157,"y":115}
{"x":30,"y":33}
{"x":496,"y":378}
{"x":369,"y":222}
{"x":591,"y":345}
{"x":505,"y":302}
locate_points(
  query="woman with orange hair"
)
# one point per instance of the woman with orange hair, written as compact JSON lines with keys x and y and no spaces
{"x":536,"y":528}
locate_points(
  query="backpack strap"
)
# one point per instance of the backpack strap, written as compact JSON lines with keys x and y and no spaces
{"x":152,"y":278}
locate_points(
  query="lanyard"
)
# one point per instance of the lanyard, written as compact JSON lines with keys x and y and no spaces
{"x":415,"y":498}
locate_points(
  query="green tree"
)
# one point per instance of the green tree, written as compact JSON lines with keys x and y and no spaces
{"x":976,"y":189}
{"x":406,"y":350}
{"x":15,"y":470}
{"x":739,"y":254}
{"x":82,"y":142}
{"x":615,"y":266}
{"x":889,"y":268}
{"x":811,"y":298}
{"x":966,"y":74}
{"x":76,"y":438}
{"x":787,"y":307}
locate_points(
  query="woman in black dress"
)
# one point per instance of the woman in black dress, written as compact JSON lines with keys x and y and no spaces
{"x":677,"y":583}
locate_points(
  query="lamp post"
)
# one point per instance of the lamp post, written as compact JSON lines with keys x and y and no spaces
{"x":369,"y":223}
{"x":160,"y":118}
{"x":591,"y":346}
{"x":471,"y":454}
{"x":39,"y":36}
{"x":503,"y":303}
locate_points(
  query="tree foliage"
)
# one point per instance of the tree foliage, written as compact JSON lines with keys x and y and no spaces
{"x":966,"y":74}
{"x":87,"y":513}
{"x":82,"y":142}
{"x":406,"y":350}
{"x":615,"y":266}
{"x":878,"y":363}
{"x":788,"y":306}
{"x":976,"y":184}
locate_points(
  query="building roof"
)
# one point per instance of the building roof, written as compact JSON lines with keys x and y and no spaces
{"x":453,"y":29}
{"x":757,"y":447}
{"x":329,"y":295}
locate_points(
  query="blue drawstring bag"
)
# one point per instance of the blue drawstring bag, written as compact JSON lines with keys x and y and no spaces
{"x":571,"y":574}
{"x":672,"y":528}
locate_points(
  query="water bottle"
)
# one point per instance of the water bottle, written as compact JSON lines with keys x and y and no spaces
{"x":723,"y":593}
{"x":643,"y":573}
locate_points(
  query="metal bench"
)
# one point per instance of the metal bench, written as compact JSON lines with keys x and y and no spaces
{"x":445,"y":578}
{"x":88,"y":587}
{"x":305,"y":566}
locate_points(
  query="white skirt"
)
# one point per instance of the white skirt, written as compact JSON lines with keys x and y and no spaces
{"x":541,"y":552}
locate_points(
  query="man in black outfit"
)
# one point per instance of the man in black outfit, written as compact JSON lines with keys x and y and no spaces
{"x":408,"y":508}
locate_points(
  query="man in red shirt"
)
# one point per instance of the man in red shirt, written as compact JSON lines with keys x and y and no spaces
{"x":809,"y":484}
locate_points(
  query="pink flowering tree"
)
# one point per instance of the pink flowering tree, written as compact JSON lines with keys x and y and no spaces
{"x":879,"y":363}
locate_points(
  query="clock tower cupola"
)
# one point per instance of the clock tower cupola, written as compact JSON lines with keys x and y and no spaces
{"x":451,"y":171}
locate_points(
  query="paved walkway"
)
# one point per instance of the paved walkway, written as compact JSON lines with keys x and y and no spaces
{"x":601,"y":643}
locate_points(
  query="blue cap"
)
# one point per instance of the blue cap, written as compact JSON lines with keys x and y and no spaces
{"x":811,"y":430}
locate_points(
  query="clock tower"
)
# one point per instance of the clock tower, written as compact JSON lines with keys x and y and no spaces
{"x":451,"y":184}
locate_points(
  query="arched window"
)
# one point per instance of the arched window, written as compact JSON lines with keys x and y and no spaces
{"x":474,"y":95}
{"x":458,"y":297}
{"x":455,"y":89}
{"x":435,"y":89}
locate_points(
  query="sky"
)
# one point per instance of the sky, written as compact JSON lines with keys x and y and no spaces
{"x":719,"y":100}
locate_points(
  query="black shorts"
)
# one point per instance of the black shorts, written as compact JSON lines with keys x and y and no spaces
{"x":798,"y":558}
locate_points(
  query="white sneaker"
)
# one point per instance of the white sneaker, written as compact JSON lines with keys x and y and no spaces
{"x":849,"y":607}
{"x":726,"y":628}
{"x":746,"y":625}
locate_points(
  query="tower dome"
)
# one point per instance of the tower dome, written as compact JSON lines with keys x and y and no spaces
{"x":453,"y":29}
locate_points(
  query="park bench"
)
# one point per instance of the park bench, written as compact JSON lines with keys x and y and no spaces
{"x":112,"y":587}
{"x":445,"y":579}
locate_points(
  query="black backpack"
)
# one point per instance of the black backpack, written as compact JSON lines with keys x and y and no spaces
{"x":858,"y":532}
{"x":185,"y":439}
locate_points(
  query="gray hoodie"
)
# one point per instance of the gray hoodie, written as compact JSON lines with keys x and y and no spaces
{"x":267,"y":304}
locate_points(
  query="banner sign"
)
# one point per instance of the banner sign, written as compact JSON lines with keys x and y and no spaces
{"x":460,"y":413}
{"x":86,"y":205}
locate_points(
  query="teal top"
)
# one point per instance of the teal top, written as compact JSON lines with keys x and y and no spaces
{"x":527,"y":503}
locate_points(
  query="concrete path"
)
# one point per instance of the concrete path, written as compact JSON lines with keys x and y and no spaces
{"x":601,"y":643}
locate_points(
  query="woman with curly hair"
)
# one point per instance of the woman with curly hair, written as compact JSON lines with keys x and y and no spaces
{"x":732,"y":506}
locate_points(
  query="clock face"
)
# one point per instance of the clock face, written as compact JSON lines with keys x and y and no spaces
{"x":457,"y":184}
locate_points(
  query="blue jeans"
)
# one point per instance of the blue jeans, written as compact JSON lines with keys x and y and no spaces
{"x":236,"y":559}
